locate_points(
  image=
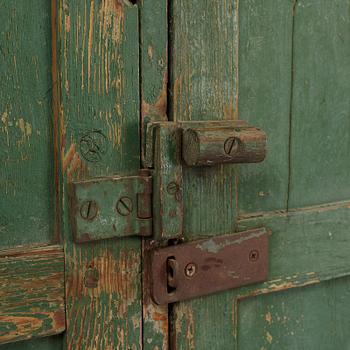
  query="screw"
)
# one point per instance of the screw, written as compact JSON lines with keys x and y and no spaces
{"x":124,"y":206}
{"x":89,"y":210}
{"x":231,"y":145}
{"x":253,"y":255}
{"x":172,"y":188}
{"x":190,"y":269}
{"x":91,"y":278}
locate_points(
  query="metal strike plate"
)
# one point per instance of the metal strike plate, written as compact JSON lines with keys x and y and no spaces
{"x":111,"y":207}
{"x":207,"y":266}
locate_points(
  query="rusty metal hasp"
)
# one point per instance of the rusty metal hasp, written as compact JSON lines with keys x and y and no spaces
{"x":207,"y":266}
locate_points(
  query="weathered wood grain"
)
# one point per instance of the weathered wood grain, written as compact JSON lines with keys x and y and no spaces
{"x":98,"y":71}
{"x":313,"y":317}
{"x":320,"y":119}
{"x":153,"y":84}
{"x":207,"y":146}
{"x":265,"y":68}
{"x":26,"y":174}
{"x":31,"y":292}
{"x":203,"y":86}
{"x":307,"y":246}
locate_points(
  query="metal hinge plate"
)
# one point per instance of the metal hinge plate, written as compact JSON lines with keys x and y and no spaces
{"x":207,"y":266}
{"x":111,"y":207}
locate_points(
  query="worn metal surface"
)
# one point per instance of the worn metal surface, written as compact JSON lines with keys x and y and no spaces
{"x":207,"y":266}
{"x":167,"y":182}
{"x":111,"y":207}
{"x":208,"y":145}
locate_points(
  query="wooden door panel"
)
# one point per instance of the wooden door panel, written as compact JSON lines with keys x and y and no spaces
{"x":320,"y":114}
{"x":98,"y":119}
{"x":285,"y":72}
{"x":313,"y":317}
{"x":203,"y":83}
{"x":26,"y":177}
{"x":31,"y":262}
{"x":265,"y":59}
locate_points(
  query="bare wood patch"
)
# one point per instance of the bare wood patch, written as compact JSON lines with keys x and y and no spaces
{"x":31,"y":292}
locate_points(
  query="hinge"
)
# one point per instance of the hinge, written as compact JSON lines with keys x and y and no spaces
{"x":109,"y":207}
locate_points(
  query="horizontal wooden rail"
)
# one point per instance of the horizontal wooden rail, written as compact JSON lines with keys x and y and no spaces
{"x":31,"y":292}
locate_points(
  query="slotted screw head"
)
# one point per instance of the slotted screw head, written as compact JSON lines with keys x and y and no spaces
{"x":253,"y":255}
{"x":231,"y":145}
{"x":172,"y":188}
{"x":124,"y":206}
{"x":190,"y":269}
{"x":89,"y":210}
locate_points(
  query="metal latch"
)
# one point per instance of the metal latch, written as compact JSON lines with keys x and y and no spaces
{"x":207,"y":266}
{"x":117,"y":206}
{"x":122,"y":206}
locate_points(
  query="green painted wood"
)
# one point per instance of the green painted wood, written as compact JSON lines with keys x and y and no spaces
{"x":31,"y":293}
{"x":307,"y":245}
{"x":52,"y":343}
{"x":320,"y":120}
{"x":98,"y":71}
{"x":265,"y":64}
{"x":26,"y":174}
{"x":154,"y":91}
{"x":314,"y":317}
{"x":302,"y":246}
{"x":203,"y":85}
{"x":31,"y":286}
{"x":293,"y":80}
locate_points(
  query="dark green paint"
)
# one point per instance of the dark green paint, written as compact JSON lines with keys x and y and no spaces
{"x":27,"y":193}
{"x":204,"y":44}
{"x":265,"y":56}
{"x":26,"y":151}
{"x":314,"y":317}
{"x":98,"y":72}
{"x":320,"y":120}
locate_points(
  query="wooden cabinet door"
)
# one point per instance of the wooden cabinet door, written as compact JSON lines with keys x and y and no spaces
{"x":69,"y":109}
{"x":78,"y":78}
{"x":283,"y":66}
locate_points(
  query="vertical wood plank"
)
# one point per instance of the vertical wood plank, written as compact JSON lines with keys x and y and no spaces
{"x":204,"y":41}
{"x":99,"y":121}
{"x":265,"y":70}
{"x":154,"y":79}
{"x":26,"y":154}
{"x":320,"y":138}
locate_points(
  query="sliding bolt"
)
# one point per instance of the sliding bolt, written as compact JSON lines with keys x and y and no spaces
{"x":231,"y":145}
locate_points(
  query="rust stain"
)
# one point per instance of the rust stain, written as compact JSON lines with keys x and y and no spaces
{"x":116,"y":277}
{"x":59,"y":319}
{"x":269,"y":337}
{"x":160,"y":107}
{"x":90,"y":41}
{"x":268,"y":318}
{"x":150,"y":52}
{"x":72,"y":165}
{"x":185,"y":317}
